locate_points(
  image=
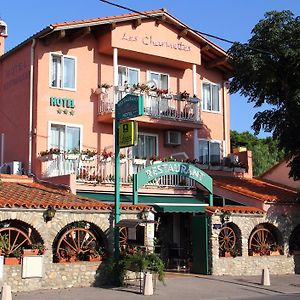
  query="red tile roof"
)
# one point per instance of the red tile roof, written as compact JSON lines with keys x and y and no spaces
{"x":109,"y":18}
{"x":37,"y":195}
{"x":255,"y":188}
{"x":235,"y":209}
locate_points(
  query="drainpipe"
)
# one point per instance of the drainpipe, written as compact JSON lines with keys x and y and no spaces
{"x":2,"y":150}
{"x":31,"y":106}
{"x":225,"y":120}
{"x":196,"y":112}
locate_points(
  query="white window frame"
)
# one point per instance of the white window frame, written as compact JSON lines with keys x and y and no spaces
{"x":202,"y":102}
{"x":50,"y":71}
{"x":152,"y":134}
{"x":65,"y":124}
{"x":132,"y":68}
{"x":158,"y":73}
{"x":209,"y":152}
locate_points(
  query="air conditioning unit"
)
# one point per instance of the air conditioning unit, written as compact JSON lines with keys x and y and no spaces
{"x":14,"y":167}
{"x":173,"y":138}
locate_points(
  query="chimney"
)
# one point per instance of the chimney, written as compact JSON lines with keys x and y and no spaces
{"x":3,"y":35}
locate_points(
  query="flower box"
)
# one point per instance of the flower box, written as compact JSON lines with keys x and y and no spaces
{"x":227,"y":254}
{"x":139,"y":161}
{"x":94,"y":258}
{"x":216,"y":168}
{"x":239,"y":170}
{"x":275,"y":253}
{"x":30,"y":252}
{"x":202,"y":167}
{"x":72,"y":156}
{"x":12,"y":260}
{"x":48,"y":157}
{"x":86,"y":157}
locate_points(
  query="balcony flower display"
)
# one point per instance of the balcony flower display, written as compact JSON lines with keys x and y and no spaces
{"x":102,"y":88}
{"x":88,"y":154}
{"x":106,"y":155}
{"x":50,"y":154}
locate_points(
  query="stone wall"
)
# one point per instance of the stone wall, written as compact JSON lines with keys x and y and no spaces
{"x":252,"y":265}
{"x":60,"y":275}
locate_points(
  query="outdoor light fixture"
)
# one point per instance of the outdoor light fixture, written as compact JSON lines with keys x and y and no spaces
{"x":226,"y":217}
{"x":144,"y":214}
{"x":49,"y":213}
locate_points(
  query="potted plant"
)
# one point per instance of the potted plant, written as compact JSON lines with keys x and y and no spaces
{"x":50,"y":154}
{"x":40,"y":248}
{"x":96,"y":255}
{"x":275,"y":250}
{"x":72,"y":154}
{"x":88,"y":154}
{"x":14,"y":258}
{"x":102,"y":88}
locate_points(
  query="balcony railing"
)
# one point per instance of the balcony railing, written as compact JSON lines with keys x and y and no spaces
{"x":164,"y":106}
{"x":101,"y":171}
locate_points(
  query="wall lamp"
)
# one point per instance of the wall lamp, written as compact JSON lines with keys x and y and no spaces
{"x":226,"y":216}
{"x":144,"y":214}
{"x":49,"y":213}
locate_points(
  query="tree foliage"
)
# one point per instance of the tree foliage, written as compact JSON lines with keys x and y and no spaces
{"x":265,"y":152}
{"x":267,"y":71}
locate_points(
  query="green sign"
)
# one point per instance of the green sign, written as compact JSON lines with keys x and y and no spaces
{"x":130,"y":106}
{"x":62,"y":102}
{"x":127,"y":134}
{"x":176,"y":168}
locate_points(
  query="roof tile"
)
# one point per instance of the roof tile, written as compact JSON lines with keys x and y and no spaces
{"x":235,"y":209}
{"x":256,"y":188}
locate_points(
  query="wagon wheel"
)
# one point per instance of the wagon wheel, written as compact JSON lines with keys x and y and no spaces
{"x":76,"y":242}
{"x":261,"y":240}
{"x":123,"y":237}
{"x":13,"y":239}
{"x":227,"y":239}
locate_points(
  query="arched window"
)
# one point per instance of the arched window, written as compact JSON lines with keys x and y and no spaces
{"x":15,"y":237}
{"x":230,"y":240}
{"x":294,"y":243}
{"x":265,"y":239}
{"x":80,"y":241}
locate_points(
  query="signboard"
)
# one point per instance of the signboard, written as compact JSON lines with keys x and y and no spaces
{"x":127,"y":134}
{"x":130,"y":106}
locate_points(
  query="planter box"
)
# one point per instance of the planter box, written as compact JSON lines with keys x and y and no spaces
{"x":139,"y":161}
{"x":216,"y":168}
{"x":275,"y":253}
{"x":48,"y":157}
{"x":94,"y":258}
{"x":86,"y":157}
{"x":71,"y":156}
{"x":239,"y":170}
{"x":12,"y":260}
{"x":30,"y":252}
{"x":202,"y":167}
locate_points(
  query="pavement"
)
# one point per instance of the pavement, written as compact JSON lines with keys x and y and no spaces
{"x":183,"y":287}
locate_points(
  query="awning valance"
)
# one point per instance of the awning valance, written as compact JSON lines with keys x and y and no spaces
{"x":179,"y":208}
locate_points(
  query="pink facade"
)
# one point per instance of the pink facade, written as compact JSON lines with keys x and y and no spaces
{"x":49,"y":96}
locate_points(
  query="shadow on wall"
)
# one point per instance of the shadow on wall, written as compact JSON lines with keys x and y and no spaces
{"x":297,"y":264}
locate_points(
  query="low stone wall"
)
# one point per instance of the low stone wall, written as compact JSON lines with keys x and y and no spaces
{"x":252,"y":265}
{"x":66,"y":275}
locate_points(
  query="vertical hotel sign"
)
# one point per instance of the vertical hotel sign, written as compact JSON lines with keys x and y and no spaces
{"x":128,"y":134}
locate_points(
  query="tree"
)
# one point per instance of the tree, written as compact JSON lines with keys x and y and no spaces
{"x":267,"y":71}
{"x":265,"y":151}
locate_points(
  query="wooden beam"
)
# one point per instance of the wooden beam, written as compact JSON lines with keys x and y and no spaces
{"x":79,"y":33}
{"x":206,"y":47}
{"x":216,"y":62}
{"x":113,"y":25}
{"x":182,"y":33}
{"x":54,"y":37}
{"x":136,"y":23}
{"x":160,"y":20}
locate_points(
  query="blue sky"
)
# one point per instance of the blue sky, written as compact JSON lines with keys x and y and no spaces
{"x":231,"y":19}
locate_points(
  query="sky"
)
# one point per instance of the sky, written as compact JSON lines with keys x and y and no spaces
{"x":231,"y":19}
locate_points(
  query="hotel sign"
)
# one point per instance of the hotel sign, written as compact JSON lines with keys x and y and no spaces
{"x":130,"y":106}
{"x":65,"y":105}
{"x":127,"y":134}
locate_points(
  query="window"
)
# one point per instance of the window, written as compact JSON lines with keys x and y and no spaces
{"x":66,"y":138}
{"x":161,"y":80}
{"x":147,"y":146}
{"x":128,"y":75}
{"x":211,"y":97}
{"x":209,"y":152}
{"x":62,"y":71}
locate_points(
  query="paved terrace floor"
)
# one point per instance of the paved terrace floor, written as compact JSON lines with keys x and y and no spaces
{"x":183,"y":287}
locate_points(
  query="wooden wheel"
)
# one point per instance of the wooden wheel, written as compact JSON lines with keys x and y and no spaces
{"x":76,"y":242}
{"x":227,"y":239}
{"x":261,"y":241}
{"x":123,"y":237}
{"x":13,"y":239}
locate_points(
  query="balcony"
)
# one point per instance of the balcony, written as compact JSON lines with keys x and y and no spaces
{"x":168,"y":108}
{"x":100,"y":171}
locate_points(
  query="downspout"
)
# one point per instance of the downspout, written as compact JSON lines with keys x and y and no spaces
{"x":31,"y":106}
{"x":225,"y":120}
{"x":196,"y":112}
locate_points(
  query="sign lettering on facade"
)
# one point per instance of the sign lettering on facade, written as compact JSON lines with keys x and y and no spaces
{"x":62,"y":102}
{"x":149,"y":40}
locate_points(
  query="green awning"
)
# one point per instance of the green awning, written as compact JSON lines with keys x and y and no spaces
{"x":174,"y":208}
